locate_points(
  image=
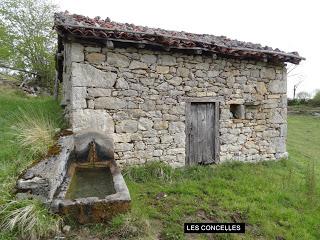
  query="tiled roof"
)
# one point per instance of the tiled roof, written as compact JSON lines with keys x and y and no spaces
{"x":97,"y":28}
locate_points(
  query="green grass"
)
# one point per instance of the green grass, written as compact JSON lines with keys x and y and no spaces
{"x":277,"y":199}
{"x":21,"y":111}
{"x":304,"y":109}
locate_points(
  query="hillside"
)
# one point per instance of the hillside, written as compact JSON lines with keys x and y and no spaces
{"x":277,"y":200}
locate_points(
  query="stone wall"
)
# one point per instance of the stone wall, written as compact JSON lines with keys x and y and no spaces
{"x":139,"y":95}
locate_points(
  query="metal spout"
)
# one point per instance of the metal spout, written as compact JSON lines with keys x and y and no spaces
{"x":92,"y":155}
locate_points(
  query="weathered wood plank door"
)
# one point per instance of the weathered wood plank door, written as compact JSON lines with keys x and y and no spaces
{"x":201,"y":133}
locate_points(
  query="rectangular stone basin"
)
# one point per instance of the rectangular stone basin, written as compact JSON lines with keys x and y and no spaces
{"x":92,"y":193}
{"x":90,"y":181}
{"x":82,"y":181}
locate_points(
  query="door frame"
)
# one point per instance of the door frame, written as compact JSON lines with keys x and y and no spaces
{"x":216,"y":102}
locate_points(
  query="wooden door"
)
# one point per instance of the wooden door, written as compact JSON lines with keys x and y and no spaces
{"x":201,"y":133}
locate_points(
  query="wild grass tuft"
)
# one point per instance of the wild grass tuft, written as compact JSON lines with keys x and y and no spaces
{"x":34,"y":130}
{"x":28,"y":219}
{"x":311,"y":183}
{"x":149,"y":171}
{"x":130,"y":226}
{"x":27,"y":129}
{"x":155,"y":171}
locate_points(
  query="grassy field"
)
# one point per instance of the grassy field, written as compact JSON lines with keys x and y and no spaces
{"x":277,"y":200}
{"x":303,"y":109}
{"x":14,"y":158}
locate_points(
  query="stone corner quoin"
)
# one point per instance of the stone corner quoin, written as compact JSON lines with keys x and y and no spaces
{"x":140,"y":97}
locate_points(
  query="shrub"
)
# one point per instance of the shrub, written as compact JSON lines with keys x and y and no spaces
{"x":316,"y":99}
{"x":294,"y":102}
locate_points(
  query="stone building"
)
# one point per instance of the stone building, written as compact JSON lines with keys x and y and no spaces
{"x":169,"y":96}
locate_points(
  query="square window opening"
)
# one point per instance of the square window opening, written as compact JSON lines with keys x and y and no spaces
{"x":237,"y":111}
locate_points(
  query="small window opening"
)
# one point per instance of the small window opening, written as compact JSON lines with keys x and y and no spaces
{"x":237,"y":111}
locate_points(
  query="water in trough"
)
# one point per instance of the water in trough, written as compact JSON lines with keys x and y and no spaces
{"x":91,"y":181}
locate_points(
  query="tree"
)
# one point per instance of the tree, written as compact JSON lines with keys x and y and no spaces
{"x":28,"y":24}
{"x":295,"y":89}
{"x":5,"y":44}
{"x":303,"y":95}
{"x":316,"y":91}
{"x":294,"y":75}
{"x":316,"y":99}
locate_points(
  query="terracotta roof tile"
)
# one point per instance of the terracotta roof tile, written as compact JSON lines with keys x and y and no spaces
{"x":85,"y":27}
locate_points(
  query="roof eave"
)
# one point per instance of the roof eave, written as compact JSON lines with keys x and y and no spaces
{"x":183,"y":43}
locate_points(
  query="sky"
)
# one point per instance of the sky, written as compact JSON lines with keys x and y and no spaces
{"x":290,"y":25}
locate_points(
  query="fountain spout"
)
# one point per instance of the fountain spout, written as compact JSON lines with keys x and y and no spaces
{"x":92,"y":156}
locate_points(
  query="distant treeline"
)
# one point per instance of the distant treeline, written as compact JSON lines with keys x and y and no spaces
{"x":315,"y":101}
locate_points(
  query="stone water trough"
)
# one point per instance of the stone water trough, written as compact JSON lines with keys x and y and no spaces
{"x":82,"y":181}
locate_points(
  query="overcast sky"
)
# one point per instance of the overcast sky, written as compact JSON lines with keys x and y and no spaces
{"x":289,"y":25}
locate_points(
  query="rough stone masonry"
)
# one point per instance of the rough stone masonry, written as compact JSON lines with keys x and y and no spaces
{"x":171,"y":96}
{"x":139,"y":96}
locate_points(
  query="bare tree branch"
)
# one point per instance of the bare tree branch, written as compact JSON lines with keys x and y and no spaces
{"x":17,"y":69}
{"x":295,"y":88}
